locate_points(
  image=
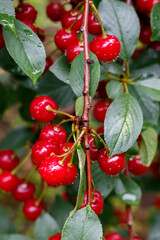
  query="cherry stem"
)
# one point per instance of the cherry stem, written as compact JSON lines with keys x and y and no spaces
{"x":64,"y":121}
{"x":99,"y":137}
{"x":21,"y":163}
{"x":46,"y":44}
{"x":80,"y":11}
{"x":43,"y":193}
{"x":72,"y":133}
{"x":48,"y":108}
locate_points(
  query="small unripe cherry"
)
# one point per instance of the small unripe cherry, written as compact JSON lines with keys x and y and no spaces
{"x":32,"y":209}
{"x":136,"y":167}
{"x":93,"y":25}
{"x":38,"y":109}
{"x":69,"y":17}
{"x":49,"y":63}
{"x":64,"y":37}
{"x":8,"y":159}
{"x":113,"y":236}
{"x":93,"y":148}
{"x":56,"y":237}
{"x":29,"y":24}
{"x":100,"y":109}
{"x":55,"y":11}
{"x":8,"y":181}
{"x":25,"y":11}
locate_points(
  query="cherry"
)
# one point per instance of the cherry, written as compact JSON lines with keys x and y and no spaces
{"x":137,"y":53}
{"x":29,"y":24}
{"x":121,"y":216}
{"x":53,"y":134}
{"x":113,"y":165}
{"x":100,"y":109}
{"x":93,"y":148}
{"x":40,"y":33}
{"x":157,"y":202}
{"x":93,"y":25}
{"x":55,"y":11}
{"x":113,"y":236}
{"x":150,"y":4}
{"x":106,"y":48}
{"x":74,"y":49}
{"x":145,"y":34}
{"x":2,"y":42}
{"x":42,"y":150}
{"x":141,"y":6}
{"x":156,"y":46}
{"x":8,"y":160}
{"x":56,"y":237}
{"x":155,"y":169}
{"x":135,"y":238}
{"x":24,"y":191}
{"x":38,"y":109}
{"x":136,"y":167}
{"x":63,"y":37}
{"x":25,"y":11}
{"x":71,"y":174}
{"x":69,"y":17}
{"x":100,"y":130}
{"x":8,"y":181}
{"x":101,"y":90}
{"x":64,"y":149}
{"x":97,"y":202}
{"x":32,"y":209}
{"x":49,"y":63}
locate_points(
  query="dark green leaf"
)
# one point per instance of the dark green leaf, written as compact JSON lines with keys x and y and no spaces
{"x":3,"y":100}
{"x":127,"y":190}
{"x":14,"y":237}
{"x":114,"y":89}
{"x":27,"y":50}
{"x":134,"y":150}
{"x":77,"y":75}
{"x":84,"y":225}
{"x":155,"y":22}
{"x":121,"y":20}
{"x":113,"y":68}
{"x":96,"y":2}
{"x":151,"y":87}
{"x":5,"y":221}
{"x":154,"y":233}
{"x":123,"y":124}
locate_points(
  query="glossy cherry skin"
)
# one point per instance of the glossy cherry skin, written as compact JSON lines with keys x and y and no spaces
{"x":106,"y":48}
{"x":2,"y":43}
{"x":38,"y":109}
{"x":69,"y":17}
{"x":40,"y":33}
{"x":135,"y":238}
{"x":136,"y":167}
{"x":24,"y":191}
{"x":145,"y":34}
{"x":150,"y":4}
{"x":32,"y":210}
{"x":8,"y":160}
{"x":29,"y":24}
{"x":113,"y":236}
{"x":64,"y":37}
{"x":53,"y":134}
{"x":25,"y":11}
{"x":49,"y":63}
{"x":113,"y":165}
{"x":100,"y":109}
{"x":93,"y":25}
{"x":63,"y":149}
{"x":93,"y":148}
{"x":55,"y":11}
{"x":96,"y":204}
{"x":56,"y":237}
{"x":100,"y":130}
{"x":8,"y":181}
{"x":42,"y":150}
{"x":101,"y":90}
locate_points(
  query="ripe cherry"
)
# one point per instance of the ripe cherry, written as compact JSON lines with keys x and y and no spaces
{"x":38,"y":109}
{"x":100,"y":109}
{"x":100,"y":130}
{"x":113,"y":165}
{"x":141,"y":6}
{"x":145,"y":34}
{"x":49,"y":63}
{"x":8,"y":160}
{"x":8,"y":181}
{"x":40,"y":33}
{"x":55,"y":11}
{"x":93,"y":148}
{"x":113,"y":236}
{"x":136,"y":167}
{"x":32,"y":209}
{"x":150,"y":4}
{"x":157,"y":202}
{"x":96,"y":204}
{"x":53,"y":134}
{"x":106,"y":48}
{"x":69,"y":17}
{"x":27,"y":12}
{"x":24,"y":191}
{"x":64,"y":149}
{"x":121,"y":216}
{"x":93,"y":25}
{"x":135,"y":238}
{"x":155,"y":45}
{"x":101,"y":90}
{"x":29,"y":24}
{"x":42,"y":150}
{"x":2,"y":42}
{"x":56,"y":237}
{"x":63,"y":37}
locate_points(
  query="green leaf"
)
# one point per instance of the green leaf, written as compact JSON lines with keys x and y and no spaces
{"x":114,"y":89}
{"x":155,"y":22}
{"x":14,"y":237}
{"x":7,"y":15}
{"x":45,"y":226}
{"x":84,"y":225}
{"x":127,"y":190}
{"x":27,"y":50}
{"x":102,"y":182}
{"x":77,"y":75}
{"x":148,"y":146}
{"x":123,"y":124}
{"x":61,"y":69}
{"x":79,"y":105}
{"x":121,"y":20}
{"x":113,"y":68}
{"x":151,"y":87}
{"x":3,"y":100}
{"x":6,"y":223}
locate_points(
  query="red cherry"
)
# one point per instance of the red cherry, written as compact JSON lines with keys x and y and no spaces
{"x":55,"y":11}
{"x":106,"y":48}
{"x":32,"y":209}
{"x":100,"y":109}
{"x":155,"y":45}
{"x":69,"y":17}
{"x":113,"y":165}
{"x":71,"y":174}
{"x":135,"y":238}
{"x":56,"y":237}
{"x":63,"y":149}
{"x":155,"y":169}
{"x":8,"y":181}
{"x":113,"y":236}
{"x":137,"y":53}
{"x":25,"y":11}
{"x":49,"y":63}
{"x":2,"y":42}
{"x":136,"y":167}
{"x":141,"y":6}
{"x":101,"y":90}
{"x":63,"y":37}
{"x":40,"y":33}
{"x":145,"y":34}
{"x":93,"y":148}
{"x":93,"y":25}
{"x":121,"y":216}
{"x":150,"y":4}
{"x":100,"y":130}
{"x":24,"y":191}
{"x":29,"y":24}
{"x":8,"y":160}
{"x":38,"y":109}
{"x":53,"y":134}
{"x":157,"y":202}
{"x":42,"y":150}
{"x":96,"y":204}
